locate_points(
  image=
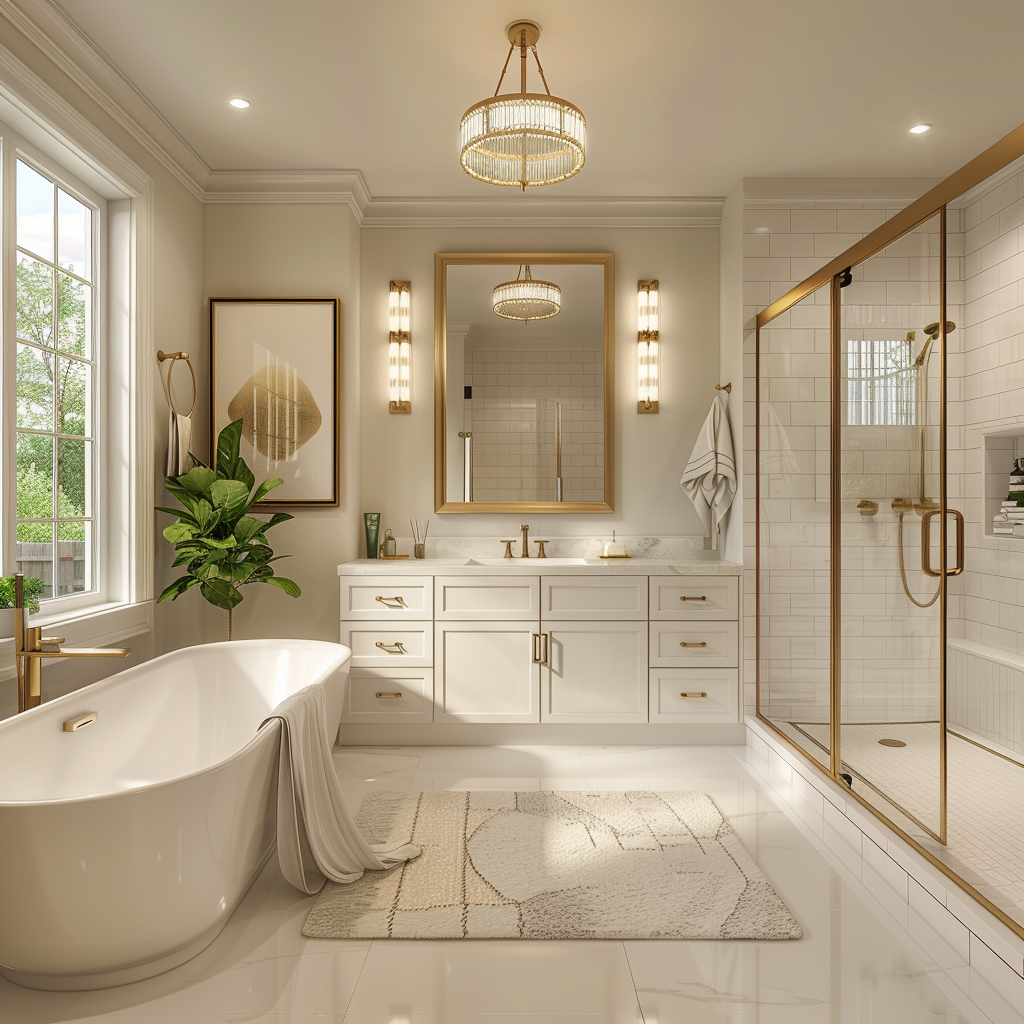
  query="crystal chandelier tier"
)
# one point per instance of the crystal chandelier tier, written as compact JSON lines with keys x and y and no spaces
{"x":523,"y":138}
{"x":527,"y":299}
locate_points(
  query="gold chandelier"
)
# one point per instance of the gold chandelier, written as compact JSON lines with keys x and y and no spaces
{"x":527,"y":299}
{"x":523,"y":138}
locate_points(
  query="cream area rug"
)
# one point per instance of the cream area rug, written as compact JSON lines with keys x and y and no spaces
{"x":554,"y":865}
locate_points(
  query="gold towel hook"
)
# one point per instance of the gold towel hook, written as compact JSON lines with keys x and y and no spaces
{"x":174,"y":357}
{"x":727,"y":388}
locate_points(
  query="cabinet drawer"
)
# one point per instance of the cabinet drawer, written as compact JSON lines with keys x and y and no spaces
{"x":583,"y":597}
{"x":694,"y":597}
{"x":478,"y":598}
{"x":684,"y":644}
{"x":694,"y":695}
{"x":388,"y":645}
{"x":387,"y":597}
{"x":396,"y":695}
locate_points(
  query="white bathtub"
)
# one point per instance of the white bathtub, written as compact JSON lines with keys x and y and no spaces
{"x":125,"y":846}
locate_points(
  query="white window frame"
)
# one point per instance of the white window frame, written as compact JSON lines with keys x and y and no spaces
{"x":46,"y":130}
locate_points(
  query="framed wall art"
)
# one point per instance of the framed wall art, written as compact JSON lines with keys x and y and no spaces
{"x":274,"y":366}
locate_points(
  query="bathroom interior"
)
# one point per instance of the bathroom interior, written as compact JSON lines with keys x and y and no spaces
{"x":680,"y":489}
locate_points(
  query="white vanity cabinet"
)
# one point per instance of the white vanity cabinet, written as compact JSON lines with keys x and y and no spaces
{"x":594,"y":644}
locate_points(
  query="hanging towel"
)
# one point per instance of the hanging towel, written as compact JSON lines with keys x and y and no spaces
{"x":179,"y":440}
{"x":316,"y":836}
{"x":709,"y":479}
{"x":778,"y":460}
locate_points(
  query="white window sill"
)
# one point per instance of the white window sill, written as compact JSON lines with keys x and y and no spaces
{"x":98,"y":626}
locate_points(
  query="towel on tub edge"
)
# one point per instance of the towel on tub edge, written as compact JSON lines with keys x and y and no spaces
{"x":316,"y":836}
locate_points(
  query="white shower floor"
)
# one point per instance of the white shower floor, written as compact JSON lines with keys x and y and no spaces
{"x":985,"y":800}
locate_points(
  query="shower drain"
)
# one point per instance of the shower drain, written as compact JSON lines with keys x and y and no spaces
{"x":892,"y":743}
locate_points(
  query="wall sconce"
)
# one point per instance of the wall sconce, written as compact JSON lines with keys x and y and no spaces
{"x":399,"y":348}
{"x":648,"y":363}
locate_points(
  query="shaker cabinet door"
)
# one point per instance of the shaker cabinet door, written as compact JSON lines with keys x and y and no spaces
{"x":485,"y":672}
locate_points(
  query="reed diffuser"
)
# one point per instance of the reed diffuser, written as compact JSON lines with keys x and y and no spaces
{"x":419,"y":537}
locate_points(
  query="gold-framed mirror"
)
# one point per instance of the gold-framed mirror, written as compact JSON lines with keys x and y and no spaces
{"x":524,"y":382}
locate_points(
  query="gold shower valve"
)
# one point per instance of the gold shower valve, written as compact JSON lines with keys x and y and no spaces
{"x":902,"y":505}
{"x":867,"y":508}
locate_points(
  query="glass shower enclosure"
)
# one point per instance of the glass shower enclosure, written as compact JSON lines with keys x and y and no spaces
{"x":889,"y":463}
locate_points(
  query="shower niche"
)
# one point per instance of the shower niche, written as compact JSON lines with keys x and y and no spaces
{"x":1004,"y":458}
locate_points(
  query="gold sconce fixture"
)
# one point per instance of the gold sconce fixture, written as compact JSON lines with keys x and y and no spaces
{"x":399,"y":348}
{"x":526,"y":138}
{"x":648,"y":358}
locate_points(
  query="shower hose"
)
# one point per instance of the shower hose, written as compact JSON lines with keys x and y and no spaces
{"x":903,"y":576}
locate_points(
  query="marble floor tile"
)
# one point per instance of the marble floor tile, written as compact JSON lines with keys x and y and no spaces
{"x":507,"y":762}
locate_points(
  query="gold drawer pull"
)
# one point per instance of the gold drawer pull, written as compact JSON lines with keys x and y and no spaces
{"x":74,"y":724}
{"x":685,"y":598}
{"x":683,"y":644}
{"x":395,"y":648}
{"x":390,"y":696}
{"x":398,"y":599}
{"x":694,"y":693}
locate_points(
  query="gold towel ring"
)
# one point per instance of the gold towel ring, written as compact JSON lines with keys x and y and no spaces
{"x":174,"y":357}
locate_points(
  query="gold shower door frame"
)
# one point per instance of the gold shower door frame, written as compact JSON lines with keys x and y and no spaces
{"x":932,"y":203}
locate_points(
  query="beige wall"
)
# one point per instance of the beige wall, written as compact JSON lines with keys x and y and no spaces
{"x":397,"y":474}
{"x":296,"y":249}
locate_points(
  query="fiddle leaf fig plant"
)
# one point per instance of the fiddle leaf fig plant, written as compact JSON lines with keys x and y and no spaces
{"x":222,"y":546}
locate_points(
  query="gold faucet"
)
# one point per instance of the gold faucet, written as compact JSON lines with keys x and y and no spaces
{"x":30,"y":647}
{"x":525,"y":531}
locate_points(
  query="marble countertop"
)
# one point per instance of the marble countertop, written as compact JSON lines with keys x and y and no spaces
{"x":468,"y":566}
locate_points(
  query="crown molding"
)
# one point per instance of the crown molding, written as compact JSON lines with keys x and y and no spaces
{"x":834,"y":192}
{"x":61,"y":41}
{"x":984,"y":187}
{"x":531,"y":211}
{"x":285,"y":186}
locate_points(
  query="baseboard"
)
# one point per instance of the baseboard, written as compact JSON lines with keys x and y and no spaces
{"x":479,"y":735}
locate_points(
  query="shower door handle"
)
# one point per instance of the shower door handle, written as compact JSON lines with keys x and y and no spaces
{"x":926,"y":542}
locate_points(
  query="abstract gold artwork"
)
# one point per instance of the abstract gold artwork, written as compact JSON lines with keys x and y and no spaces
{"x":278,"y":412}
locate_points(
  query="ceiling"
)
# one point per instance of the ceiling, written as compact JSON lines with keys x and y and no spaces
{"x":682,"y":97}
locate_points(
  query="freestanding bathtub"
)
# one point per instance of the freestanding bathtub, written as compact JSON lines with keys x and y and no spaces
{"x":126,"y":845}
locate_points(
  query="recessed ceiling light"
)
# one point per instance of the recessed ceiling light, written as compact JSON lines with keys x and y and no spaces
{"x":918,"y":129}
{"x":242,"y":104}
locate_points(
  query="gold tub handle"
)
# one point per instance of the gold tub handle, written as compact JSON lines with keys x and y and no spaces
{"x":394,"y":648}
{"x":703,"y":643}
{"x":74,"y":724}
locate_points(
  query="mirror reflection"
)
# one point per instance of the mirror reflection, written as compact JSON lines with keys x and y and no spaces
{"x":525,"y":383}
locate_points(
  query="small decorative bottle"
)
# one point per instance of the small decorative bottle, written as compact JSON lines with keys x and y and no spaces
{"x":371,"y":521}
{"x":389,"y":546}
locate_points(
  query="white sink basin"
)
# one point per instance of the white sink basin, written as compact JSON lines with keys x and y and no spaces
{"x":539,"y":562}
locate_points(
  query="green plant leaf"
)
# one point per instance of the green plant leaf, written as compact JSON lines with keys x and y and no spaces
{"x":244,"y":473}
{"x":246,"y":528}
{"x":221,"y":593}
{"x":178,"y":531}
{"x":218,"y":542}
{"x":198,"y":481}
{"x":277,"y":517}
{"x":177,"y":588}
{"x":231,"y":497}
{"x":290,"y":587}
{"x":227,"y":449}
{"x":266,"y":487}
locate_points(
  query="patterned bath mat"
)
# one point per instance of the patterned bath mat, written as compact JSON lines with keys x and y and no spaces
{"x":554,"y":865}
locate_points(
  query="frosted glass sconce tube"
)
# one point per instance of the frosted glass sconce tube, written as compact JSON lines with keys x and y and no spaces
{"x":648,"y":359}
{"x":399,"y":348}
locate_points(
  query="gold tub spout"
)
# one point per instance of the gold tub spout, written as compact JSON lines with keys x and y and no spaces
{"x":30,"y":647}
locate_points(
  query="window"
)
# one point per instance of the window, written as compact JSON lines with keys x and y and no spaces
{"x":881,"y":383}
{"x":55,"y":382}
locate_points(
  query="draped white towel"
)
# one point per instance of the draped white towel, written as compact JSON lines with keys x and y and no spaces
{"x":709,"y":480}
{"x":316,"y":836}
{"x":179,"y":439}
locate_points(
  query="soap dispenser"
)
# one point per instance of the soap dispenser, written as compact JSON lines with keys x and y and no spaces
{"x":614,"y":548}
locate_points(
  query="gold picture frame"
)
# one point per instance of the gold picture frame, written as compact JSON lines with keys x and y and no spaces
{"x":275,"y":364}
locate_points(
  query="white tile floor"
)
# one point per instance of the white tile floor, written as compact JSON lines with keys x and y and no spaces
{"x":848,"y":968}
{"x":985,"y":800}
